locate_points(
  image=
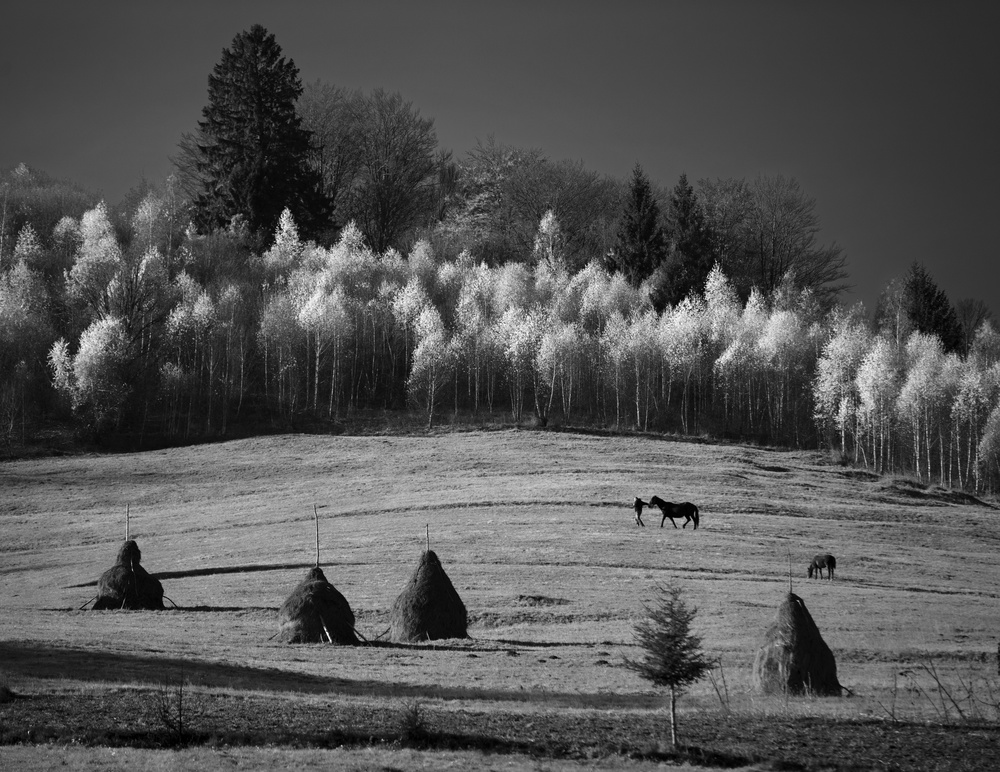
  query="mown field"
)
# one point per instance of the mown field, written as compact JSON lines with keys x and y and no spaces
{"x":535,"y":530}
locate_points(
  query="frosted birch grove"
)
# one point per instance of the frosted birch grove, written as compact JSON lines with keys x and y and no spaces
{"x":190,"y":342}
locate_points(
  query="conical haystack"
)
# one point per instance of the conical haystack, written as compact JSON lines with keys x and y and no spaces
{"x":126,"y":585}
{"x":316,"y":612}
{"x":429,"y":608}
{"x":794,"y":658}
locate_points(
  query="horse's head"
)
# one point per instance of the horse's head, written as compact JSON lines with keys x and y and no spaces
{"x":811,"y":569}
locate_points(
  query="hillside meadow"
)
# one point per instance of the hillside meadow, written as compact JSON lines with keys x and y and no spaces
{"x":536,"y":531}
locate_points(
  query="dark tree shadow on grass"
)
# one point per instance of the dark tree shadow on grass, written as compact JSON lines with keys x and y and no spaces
{"x":31,"y":659}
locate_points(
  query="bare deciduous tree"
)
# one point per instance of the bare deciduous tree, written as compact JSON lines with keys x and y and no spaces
{"x":766,"y":232}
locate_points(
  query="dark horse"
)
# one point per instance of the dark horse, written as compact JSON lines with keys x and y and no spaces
{"x":687,"y":510}
{"x":637,"y":505}
{"x":829,"y":562}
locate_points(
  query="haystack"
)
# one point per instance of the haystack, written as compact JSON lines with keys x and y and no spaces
{"x":126,"y":585}
{"x":316,"y":612}
{"x":794,"y":658}
{"x":429,"y":608}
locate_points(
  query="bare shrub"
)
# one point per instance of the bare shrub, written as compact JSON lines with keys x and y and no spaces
{"x":412,"y":725}
{"x":176,"y":710}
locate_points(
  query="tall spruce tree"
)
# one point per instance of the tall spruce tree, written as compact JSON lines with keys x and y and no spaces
{"x":249,"y":156}
{"x":691,"y":253}
{"x":641,"y":245}
{"x":929,"y":309}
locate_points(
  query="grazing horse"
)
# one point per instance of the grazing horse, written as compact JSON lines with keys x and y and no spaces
{"x":829,"y":562}
{"x":687,"y":510}
{"x":637,"y":505}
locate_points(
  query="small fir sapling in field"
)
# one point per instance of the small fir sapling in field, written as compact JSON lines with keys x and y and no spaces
{"x":672,"y":655}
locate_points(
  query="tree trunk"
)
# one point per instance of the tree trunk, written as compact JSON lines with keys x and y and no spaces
{"x":673,"y":717}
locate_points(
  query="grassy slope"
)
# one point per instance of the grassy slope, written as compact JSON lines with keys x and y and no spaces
{"x":536,"y":533}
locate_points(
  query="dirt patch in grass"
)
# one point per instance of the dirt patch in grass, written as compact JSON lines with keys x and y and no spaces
{"x":860,"y":474}
{"x":540,"y":600}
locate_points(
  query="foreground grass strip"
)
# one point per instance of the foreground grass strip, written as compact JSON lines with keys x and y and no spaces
{"x":129,"y":718}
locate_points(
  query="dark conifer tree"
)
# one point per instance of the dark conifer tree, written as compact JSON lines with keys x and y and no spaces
{"x":690,"y":248}
{"x":672,"y":654}
{"x":641,"y":245}
{"x":249,"y":156}
{"x":929,"y":309}
{"x":686,"y":222}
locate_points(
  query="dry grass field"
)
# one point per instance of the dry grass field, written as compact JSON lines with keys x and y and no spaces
{"x":536,"y":531}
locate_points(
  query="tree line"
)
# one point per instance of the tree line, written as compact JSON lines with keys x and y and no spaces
{"x":317,"y":255}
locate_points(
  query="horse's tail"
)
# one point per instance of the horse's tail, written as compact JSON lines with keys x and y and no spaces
{"x":695,"y":517}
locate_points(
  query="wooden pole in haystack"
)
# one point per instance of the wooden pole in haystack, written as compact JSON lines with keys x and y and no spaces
{"x":428,"y":536}
{"x":126,"y":521}
{"x":789,"y":571}
{"x":316,"y":516}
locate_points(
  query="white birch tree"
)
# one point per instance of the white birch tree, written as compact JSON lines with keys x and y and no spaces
{"x":878,"y":382}
{"x":921,"y":395}
{"x":433,"y":359}
{"x":835,"y":388}
{"x":614,"y":354}
{"x":94,"y":378}
{"x":683,"y":336}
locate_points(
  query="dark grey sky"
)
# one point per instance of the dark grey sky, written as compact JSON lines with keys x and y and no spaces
{"x":888,"y":113}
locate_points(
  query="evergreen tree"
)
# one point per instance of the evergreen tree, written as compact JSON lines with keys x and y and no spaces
{"x":641,"y":245}
{"x":249,"y":156}
{"x":672,"y":654}
{"x":691,"y":256}
{"x":929,"y":309}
